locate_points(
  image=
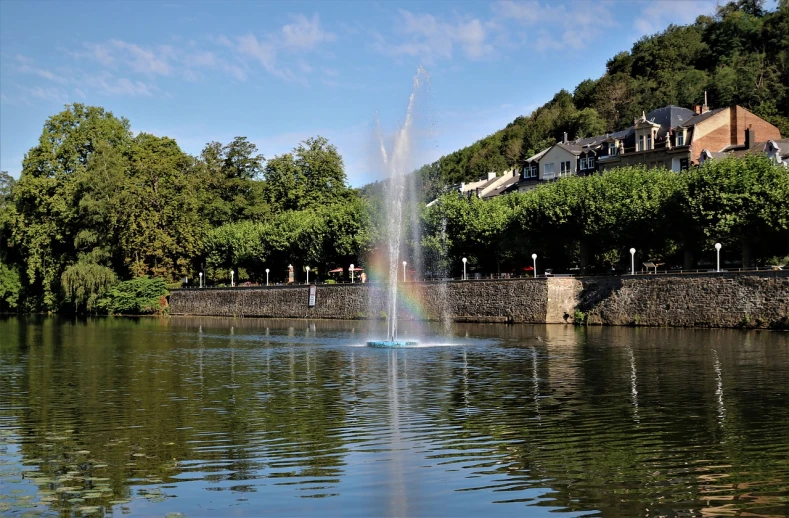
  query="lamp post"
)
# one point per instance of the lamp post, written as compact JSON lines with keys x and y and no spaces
{"x":718,"y":250}
{"x":632,"y":261}
{"x":464,"y":268}
{"x":404,"y":263}
{"x":351,"y":274}
{"x":201,"y":279}
{"x":267,"y":276}
{"x":232,"y":283}
{"x":534,"y":258}
{"x":308,"y":275}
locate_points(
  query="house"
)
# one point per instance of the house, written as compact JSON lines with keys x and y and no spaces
{"x":671,"y":137}
{"x":776,"y":150}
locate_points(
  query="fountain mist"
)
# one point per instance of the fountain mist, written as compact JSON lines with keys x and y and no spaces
{"x":401,"y":197}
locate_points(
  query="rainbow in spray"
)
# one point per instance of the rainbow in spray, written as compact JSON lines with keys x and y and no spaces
{"x":399,"y":196}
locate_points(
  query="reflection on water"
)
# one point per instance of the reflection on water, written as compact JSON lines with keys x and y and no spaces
{"x":208,"y":416}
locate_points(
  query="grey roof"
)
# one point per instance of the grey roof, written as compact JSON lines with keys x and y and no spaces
{"x":588,"y":141}
{"x":501,"y":189}
{"x":619,"y":135}
{"x":538,"y":155}
{"x":571,"y":148}
{"x":670,"y":116}
{"x":699,"y":118}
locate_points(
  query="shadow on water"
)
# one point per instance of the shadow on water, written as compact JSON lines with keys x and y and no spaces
{"x":210,"y":416}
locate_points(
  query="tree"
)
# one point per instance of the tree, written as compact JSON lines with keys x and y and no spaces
{"x":47,"y":194}
{"x":85,"y":283}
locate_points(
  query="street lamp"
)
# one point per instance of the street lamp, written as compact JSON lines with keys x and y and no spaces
{"x":632,"y":261}
{"x":267,"y":276}
{"x":308,"y":275}
{"x":534,"y":258}
{"x":464,"y":268}
{"x":718,"y":249}
{"x":351,"y":274}
{"x":232,"y":284}
{"x":404,"y":263}
{"x":201,"y":279}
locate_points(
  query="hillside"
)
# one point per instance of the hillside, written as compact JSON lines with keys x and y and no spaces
{"x":739,"y":56}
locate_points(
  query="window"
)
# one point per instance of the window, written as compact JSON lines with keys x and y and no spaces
{"x":649,"y":141}
{"x":530,"y":171}
{"x":583,"y":163}
{"x":549,"y":171}
{"x":612,"y":149}
{"x":534,"y":171}
{"x":641,"y":142}
{"x":566,"y":168}
{"x":680,"y":139}
{"x":590,"y":163}
{"x":683,"y":164}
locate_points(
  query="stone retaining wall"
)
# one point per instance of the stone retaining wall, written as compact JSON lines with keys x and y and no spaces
{"x":687,"y":300}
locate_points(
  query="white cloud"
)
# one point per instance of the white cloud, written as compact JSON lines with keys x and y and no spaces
{"x":657,"y":15}
{"x":143,"y":60}
{"x":430,"y":38}
{"x":301,"y":36}
{"x":304,"y":34}
{"x":51,"y":93}
{"x":108,"y":84}
{"x":25,"y":66}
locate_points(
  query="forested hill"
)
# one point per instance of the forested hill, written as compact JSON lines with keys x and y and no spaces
{"x":739,"y":56}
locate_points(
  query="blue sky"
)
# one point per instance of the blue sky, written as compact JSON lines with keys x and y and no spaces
{"x":279,"y":72}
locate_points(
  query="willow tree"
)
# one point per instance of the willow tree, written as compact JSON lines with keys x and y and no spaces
{"x":85,"y":283}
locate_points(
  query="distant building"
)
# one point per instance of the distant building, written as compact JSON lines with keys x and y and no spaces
{"x":670,"y":137}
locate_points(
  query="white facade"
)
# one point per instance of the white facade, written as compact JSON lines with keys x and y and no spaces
{"x":556,"y":163}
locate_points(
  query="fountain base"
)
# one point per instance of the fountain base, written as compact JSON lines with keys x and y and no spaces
{"x":391,"y":343}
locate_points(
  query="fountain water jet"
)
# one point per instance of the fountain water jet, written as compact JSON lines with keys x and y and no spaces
{"x":397,"y":165}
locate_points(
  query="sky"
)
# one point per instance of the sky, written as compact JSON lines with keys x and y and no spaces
{"x":280,"y":72}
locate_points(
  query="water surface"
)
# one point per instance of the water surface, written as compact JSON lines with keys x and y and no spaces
{"x":250,"y":417}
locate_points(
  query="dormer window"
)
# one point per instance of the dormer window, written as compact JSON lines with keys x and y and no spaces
{"x":612,"y":148}
{"x":681,"y":138}
{"x":641,"y":142}
{"x":590,"y":163}
{"x":583,"y":163}
{"x":649,"y":141}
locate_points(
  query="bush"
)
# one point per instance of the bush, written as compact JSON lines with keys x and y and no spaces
{"x":136,"y":297}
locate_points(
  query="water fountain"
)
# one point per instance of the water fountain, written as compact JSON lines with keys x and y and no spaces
{"x":400,"y":194}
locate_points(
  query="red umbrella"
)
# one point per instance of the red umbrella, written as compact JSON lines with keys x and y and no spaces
{"x":336,"y":270}
{"x":528,"y":269}
{"x":357,"y":269}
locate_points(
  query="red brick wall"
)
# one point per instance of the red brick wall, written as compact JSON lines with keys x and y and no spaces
{"x":733,"y":132}
{"x":742,"y":119}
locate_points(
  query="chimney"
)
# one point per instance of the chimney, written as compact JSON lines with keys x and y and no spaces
{"x":564,"y":138}
{"x":697,"y":109}
{"x":705,"y":108}
{"x":750,"y":137}
{"x":491,"y":175}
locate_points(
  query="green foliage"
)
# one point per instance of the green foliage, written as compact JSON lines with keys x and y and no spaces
{"x":591,"y":221}
{"x":85,"y":283}
{"x":139,"y":296}
{"x":10,"y":288}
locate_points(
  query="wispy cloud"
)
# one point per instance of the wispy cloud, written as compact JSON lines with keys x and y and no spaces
{"x":656,"y":15}
{"x":300,"y":37}
{"x":431,"y":38}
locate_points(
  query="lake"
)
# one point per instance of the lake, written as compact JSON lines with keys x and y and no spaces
{"x":251,"y":417}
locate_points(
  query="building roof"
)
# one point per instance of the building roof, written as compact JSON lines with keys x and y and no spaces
{"x":504,"y":187}
{"x":590,"y":141}
{"x":571,"y":148}
{"x":670,"y":116}
{"x":538,"y":155}
{"x":699,"y":118}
